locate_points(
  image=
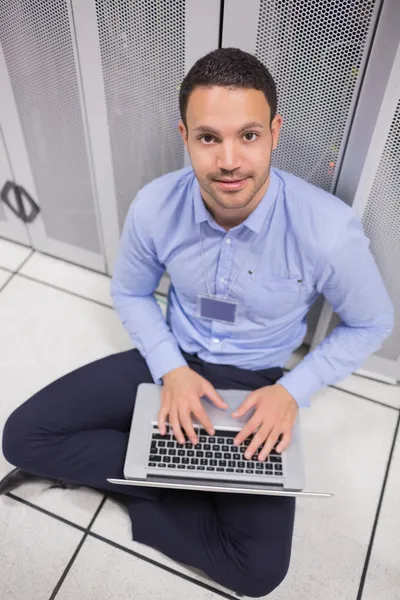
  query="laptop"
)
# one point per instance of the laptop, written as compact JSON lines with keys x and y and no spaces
{"x":214,"y":464}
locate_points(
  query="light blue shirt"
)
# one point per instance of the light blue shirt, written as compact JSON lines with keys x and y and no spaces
{"x":298,"y":243}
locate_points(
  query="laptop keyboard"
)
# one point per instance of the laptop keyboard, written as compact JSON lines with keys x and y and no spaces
{"x":215,"y":453}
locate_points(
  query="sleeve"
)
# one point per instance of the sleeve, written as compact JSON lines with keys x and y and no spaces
{"x":136,"y":276}
{"x":349,"y":279}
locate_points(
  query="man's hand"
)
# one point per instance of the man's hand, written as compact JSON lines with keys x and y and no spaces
{"x":180,"y":397}
{"x":275,"y":414}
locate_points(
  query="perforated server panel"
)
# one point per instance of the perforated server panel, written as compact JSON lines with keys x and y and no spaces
{"x":381,"y":222}
{"x":143,"y":59}
{"x":315,"y":50}
{"x":37,"y":42}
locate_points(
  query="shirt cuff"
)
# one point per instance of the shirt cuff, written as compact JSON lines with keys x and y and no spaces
{"x":164,"y":358}
{"x":301,"y":383}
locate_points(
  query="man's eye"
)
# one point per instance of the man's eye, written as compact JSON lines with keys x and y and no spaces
{"x":207,"y":138}
{"x":250,"y":136}
{"x":250,"y":133}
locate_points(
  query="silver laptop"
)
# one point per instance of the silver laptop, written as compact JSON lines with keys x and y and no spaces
{"x":214,"y":463}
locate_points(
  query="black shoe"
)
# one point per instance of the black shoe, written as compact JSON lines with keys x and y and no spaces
{"x":18,"y":477}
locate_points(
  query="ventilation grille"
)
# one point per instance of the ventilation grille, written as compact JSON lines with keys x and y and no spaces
{"x":4,"y":171}
{"x":314,"y":50}
{"x":143,"y":52}
{"x":381,"y":222}
{"x":37,"y":44}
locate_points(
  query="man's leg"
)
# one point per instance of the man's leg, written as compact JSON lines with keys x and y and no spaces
{"x":241,"y":541}
{"x":76,"y":429}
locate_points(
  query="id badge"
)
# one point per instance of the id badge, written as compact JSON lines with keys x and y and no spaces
{"x":217,"y":309}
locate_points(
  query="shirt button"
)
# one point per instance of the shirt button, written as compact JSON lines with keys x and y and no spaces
{"x":215,"y":341}
{"x":222,"y":280}
{"x":228,"y":241}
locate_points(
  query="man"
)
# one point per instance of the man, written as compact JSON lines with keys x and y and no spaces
{"x":239,"y":239}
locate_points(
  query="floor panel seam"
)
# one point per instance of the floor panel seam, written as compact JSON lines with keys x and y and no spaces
{"x":378,"y":512}
{"x":76,"y":552}
{"x":383,"y":404}
{"x":14,"y":273}
{"x":160,"y":565}
{"x":46,"y":512}
{"x":59,"y":289}
{"x":88,"y":532}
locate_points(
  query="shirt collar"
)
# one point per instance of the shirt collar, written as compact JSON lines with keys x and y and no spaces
{"x":255,"y":220}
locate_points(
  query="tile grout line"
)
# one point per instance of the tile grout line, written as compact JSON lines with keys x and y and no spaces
{"x":14,"y":273}
{"x":370,"y":378}
{"x":55,"y":287}
{"x":48,"y":513}
{"x":378,"y":512}
{"x":160,"y":565}
{"x":64,"y":260}
{"x":335,"y":387}
{"x":75,"y":294}
{"x":77,"y":550}
{"x":90,"y":533}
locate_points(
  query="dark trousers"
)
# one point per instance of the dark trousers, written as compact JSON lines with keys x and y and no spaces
{"x":76,"y":429}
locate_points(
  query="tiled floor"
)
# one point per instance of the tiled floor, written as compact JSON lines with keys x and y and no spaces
{"x":69,"y":544}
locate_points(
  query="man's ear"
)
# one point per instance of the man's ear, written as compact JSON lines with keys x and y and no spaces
{"x":275,"y":130}
{"x":183,"y":132}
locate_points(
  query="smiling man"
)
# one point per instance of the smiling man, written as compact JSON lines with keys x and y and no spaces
{"x":248,"y":248}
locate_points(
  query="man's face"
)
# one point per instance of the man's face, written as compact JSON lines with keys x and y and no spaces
{"x":230,"y":141}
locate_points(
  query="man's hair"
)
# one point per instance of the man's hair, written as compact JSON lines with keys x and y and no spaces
{"x":230,"y":68}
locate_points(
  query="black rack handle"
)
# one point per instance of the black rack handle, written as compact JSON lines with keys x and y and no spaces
{"x":20,"y":194}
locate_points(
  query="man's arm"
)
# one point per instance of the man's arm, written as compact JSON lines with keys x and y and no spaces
{"x":349,"y":279}
{"x":136,"y":276}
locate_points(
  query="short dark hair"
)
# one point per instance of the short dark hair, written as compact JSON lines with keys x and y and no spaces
{"x":232,"y":68}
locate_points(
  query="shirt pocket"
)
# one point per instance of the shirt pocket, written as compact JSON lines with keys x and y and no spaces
{"x":273,"y":297}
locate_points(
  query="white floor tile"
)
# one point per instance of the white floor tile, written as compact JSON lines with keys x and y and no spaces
{"x":4,"y":276}
{"x":78,"y":505}
{"x":34,"y":551}
{"x":12,"y":255}
{"x":346,"y":446}
{"x":370,"y":388}
{"x":113,"y":523}
{"x":44,"y":334}
{"x":106,"y":573}
{"x":72,"y":278}
{"x":376,"y":390}
{"x":383,"y":576}
{"x":69,"y":277}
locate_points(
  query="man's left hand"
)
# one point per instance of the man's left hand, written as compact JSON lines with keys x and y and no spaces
{"x":275,"y":414}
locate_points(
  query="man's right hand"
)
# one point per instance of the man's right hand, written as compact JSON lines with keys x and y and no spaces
{"x":180,"y":398}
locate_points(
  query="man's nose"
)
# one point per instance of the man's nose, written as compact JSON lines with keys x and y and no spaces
{"x":228,"y":157}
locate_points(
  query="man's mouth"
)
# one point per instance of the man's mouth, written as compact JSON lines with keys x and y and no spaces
{"x":231,"y":184}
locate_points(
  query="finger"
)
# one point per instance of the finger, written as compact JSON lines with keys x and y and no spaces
{"x":187,"y":424}
{"x":247,"y":430}
{"x":203,"y":419}
{"x":269,"y":444}
{"x":163,"y":414}
{"x":176,"y":426}
{"x":285,"y":442}
{"x":246,"y":405}
{"x":213,"y":395}
{"x":257,"y":441}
